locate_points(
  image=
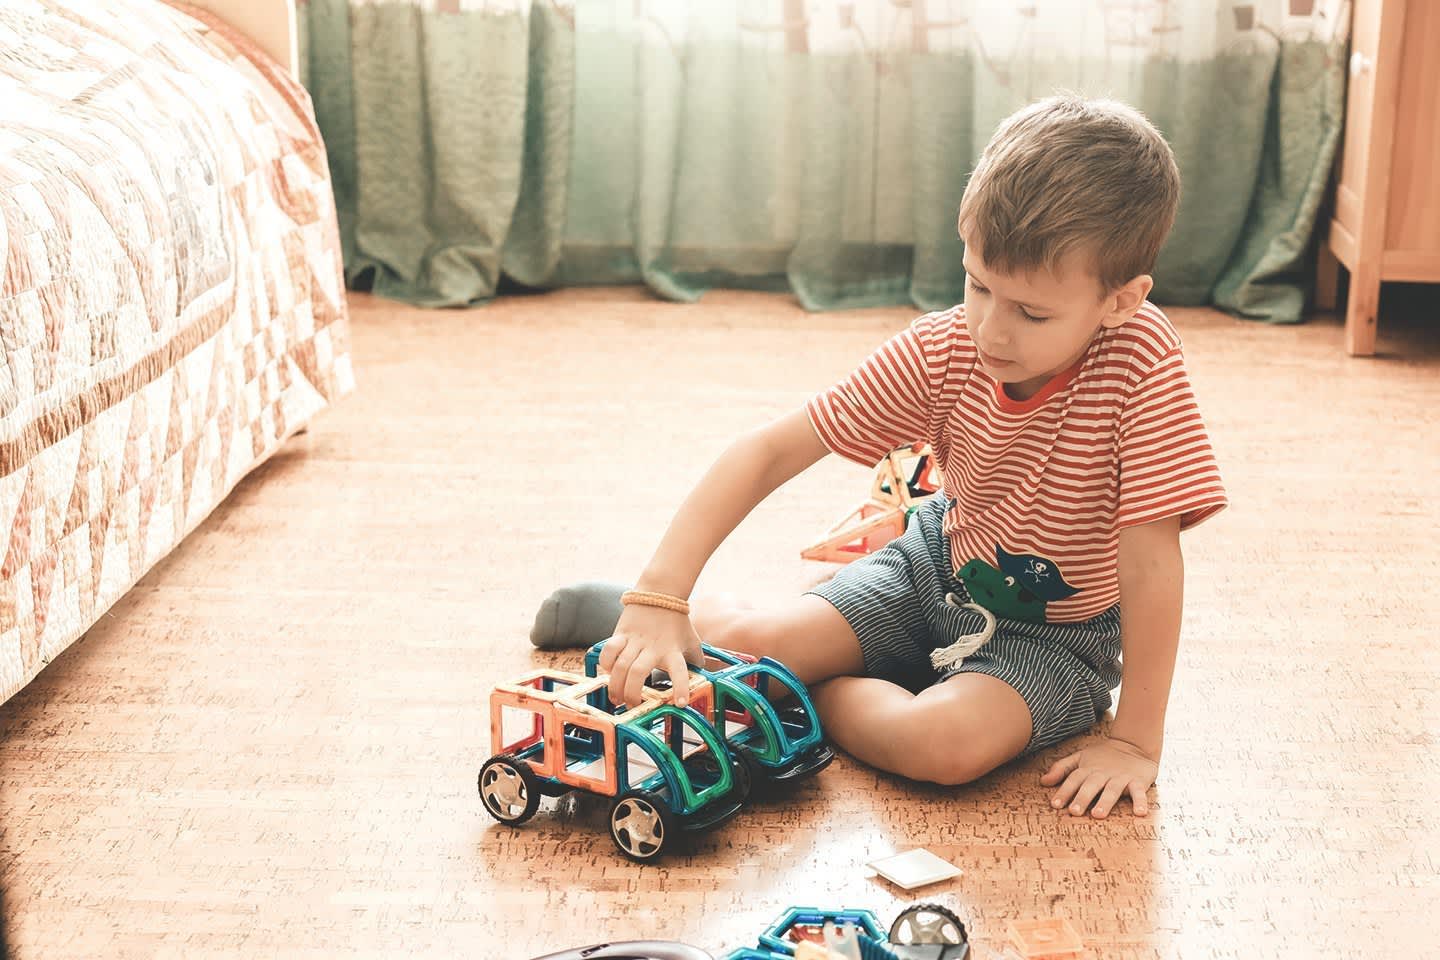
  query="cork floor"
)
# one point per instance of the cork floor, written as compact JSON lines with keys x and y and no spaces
{"x":269,"y":747}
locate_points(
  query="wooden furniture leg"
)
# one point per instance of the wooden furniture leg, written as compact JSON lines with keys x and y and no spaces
{"x":1327,"y":278}
{"x":1361,"y":310}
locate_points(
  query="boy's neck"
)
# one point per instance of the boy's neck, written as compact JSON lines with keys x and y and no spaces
{"x":1027,"y":388}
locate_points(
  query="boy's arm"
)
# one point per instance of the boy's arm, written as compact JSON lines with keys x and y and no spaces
{"x":747,"y":472}
{"x":1152,"y":574}
{"x":1152,"y":592}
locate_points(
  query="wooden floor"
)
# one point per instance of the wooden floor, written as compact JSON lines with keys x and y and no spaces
{"x":269,"y":748}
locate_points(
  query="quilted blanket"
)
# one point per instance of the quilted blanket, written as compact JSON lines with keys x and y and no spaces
{"x":171,"y":303}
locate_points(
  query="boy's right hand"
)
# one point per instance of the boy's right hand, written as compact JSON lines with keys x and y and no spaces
{"x":646,"y":638}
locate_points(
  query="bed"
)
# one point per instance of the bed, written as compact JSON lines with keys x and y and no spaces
{"x":171,"y":301}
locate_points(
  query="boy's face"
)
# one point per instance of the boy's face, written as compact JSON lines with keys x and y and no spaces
{"x":1032,"y":325}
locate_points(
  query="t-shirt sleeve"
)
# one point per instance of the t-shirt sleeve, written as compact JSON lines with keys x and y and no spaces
{"x":1167,"y":466}
{"x":886,"y":402}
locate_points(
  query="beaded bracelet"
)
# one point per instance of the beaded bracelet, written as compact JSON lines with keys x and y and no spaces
{"x":646,"y":598}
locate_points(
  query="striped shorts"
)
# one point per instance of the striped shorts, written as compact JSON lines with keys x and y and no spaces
{"x":894,"y":600}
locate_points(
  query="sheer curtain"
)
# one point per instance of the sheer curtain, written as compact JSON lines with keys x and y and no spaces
{"x":819,"y":146}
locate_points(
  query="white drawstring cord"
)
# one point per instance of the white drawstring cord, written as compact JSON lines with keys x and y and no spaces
{"x":942,"y":658}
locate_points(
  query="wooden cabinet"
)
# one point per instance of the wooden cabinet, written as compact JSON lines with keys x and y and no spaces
{"x":1386,"y":224}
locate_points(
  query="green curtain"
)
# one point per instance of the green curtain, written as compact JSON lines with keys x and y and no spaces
{"x":819,"y":147}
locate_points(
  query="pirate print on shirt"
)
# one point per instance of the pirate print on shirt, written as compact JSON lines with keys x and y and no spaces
{"x":1018,"y":587}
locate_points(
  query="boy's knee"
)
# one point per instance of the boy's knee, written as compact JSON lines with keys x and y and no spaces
{"x":744,"y":633}
{"x":953,"y":750}
{"x":949,"y":763}
{"x":966,"y":727}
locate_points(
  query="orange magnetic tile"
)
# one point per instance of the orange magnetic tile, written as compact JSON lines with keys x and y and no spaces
{"x":1045,"y":938}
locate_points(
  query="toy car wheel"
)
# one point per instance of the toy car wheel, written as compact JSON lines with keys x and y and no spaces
{"x":642,"y":825}
{"x":749,"y":775}
{"x":927,"y":923}
{"x":509,"y":789}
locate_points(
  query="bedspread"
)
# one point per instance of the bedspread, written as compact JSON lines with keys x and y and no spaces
{"x":171,"y":302}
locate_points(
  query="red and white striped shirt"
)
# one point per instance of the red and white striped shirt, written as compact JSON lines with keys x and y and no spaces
{"x":1114,"y":441}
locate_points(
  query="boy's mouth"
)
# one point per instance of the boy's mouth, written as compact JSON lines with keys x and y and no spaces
{"x":992,"y":361}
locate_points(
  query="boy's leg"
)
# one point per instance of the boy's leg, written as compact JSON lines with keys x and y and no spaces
{"x":577,"y":615}
{"x":951,"y":733}
{"x":807,"y":634}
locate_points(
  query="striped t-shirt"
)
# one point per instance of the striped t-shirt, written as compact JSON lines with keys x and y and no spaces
{"x":1041,"y":487}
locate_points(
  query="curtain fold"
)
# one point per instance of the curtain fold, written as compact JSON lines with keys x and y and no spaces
{"x":819,"y":146}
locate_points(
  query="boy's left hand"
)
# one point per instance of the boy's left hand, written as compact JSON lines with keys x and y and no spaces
{"x":1106,"y":770}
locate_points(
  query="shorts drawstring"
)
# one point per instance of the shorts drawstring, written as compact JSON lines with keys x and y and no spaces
{"x":943,"y":658}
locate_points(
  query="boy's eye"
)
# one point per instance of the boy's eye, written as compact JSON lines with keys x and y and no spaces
{"x":985,"y":290}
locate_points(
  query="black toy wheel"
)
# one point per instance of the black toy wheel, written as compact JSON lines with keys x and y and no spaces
{"x":747,"y":766}
{"x":927,"y":923}
{"x":642,"y":825}
{"x":748,"y":774}
{"x":509,"y":789}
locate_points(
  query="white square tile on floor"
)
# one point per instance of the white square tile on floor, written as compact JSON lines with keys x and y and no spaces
{"x":915,"y":868}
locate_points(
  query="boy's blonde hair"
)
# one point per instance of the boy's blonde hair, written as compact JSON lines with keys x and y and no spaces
{"x":1067,"y":174}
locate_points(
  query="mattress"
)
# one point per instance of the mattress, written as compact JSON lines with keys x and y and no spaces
{"x":171,"y":301}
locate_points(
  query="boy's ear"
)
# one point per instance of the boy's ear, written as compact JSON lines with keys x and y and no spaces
{"x":1123,"y":303}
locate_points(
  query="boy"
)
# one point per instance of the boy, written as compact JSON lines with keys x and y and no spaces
{"x":1072,"y":454}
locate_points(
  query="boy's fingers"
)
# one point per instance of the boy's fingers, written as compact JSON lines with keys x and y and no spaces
{"x":1139,"y":797}
{"x":620,"y":673}
{"x":1113,"y":791}
{"x":609,"y":652}
{"x":1059,"y":768}
{"x":1068,"y":788}
{"x":679,"y":676}
{"x":639,"y":673}
{"x":1087,"y":793}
